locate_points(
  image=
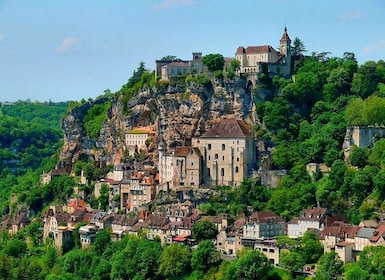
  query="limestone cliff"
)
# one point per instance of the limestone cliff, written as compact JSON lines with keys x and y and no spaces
{"x":175,"y":114}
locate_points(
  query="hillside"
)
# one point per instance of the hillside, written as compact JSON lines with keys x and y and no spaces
{"x":30,"y":135}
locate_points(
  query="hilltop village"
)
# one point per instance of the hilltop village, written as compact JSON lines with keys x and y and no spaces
{"x":160,"y":198}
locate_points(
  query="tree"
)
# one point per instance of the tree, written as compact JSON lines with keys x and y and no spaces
{"x":358,"y":157}
{"x":214,"y":62}
{"x":204,"y":230}
{"x":205,"y":256}
{"x":102,"y":240}
{"x":311,"y":248}
{"x":330,"y":267}
{"x":253,"y":265}
{"x":175,"y":261}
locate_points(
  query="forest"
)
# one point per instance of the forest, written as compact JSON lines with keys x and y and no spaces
{"x":303,"y":118}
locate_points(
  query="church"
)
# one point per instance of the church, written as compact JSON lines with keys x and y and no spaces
{"x":278,"y":62}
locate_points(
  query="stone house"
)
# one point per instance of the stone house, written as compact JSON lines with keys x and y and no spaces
{"x":277,"y":62}
{"x":229,"y":153}
{"x":21,"y":221}
{"x":136,"y":138}
{"x":167,"y":69}
{"x":187,"y":167}
{"x":262,"y":225}
{"x":311,"y":218}
{"x":229,"y":239}
{"x":156,"y":227}
{"x":87,"y":235}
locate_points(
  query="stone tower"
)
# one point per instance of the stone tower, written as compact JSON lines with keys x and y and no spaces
{"x":285,"y":47}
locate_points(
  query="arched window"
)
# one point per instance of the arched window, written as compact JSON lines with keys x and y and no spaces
{"x":236,"y":169}
{"x":222,"y":172}
{"x":216,"y":156}
{"x":209,"y":147}
{"x":223,"y":147}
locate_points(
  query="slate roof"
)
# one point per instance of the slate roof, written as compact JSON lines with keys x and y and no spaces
{"x":229,"y":128}
{"x":365,"y":232}
{"x":285,"y":36}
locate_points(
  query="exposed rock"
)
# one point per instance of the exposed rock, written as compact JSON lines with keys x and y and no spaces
{"x":176,"y":114}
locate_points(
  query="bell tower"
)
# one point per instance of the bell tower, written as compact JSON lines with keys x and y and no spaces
{"x":285,"y":48}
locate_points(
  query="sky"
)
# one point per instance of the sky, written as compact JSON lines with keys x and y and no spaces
{"x":61,"y":50}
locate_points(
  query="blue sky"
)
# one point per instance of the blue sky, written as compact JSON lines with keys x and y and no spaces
{"x":63,"y":50}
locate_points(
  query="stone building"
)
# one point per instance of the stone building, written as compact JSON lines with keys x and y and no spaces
{"x":277,"y":62}
{"x":187,"y":167}
{"x":136,"y":139}
{"x":228,"y":153}
{"x":173,"y":68}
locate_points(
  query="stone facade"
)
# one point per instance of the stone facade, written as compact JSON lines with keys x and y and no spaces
{"x":187,"y":167}
{"x":229,"y":153}
{"x":278,"y":62}
{"x":173,"y":68}
{"x":136,"y":139}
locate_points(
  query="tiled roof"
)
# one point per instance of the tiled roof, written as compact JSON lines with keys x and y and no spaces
{"x":313,"y":214}
{"x":264,"y":216}
{"x":378,"y":233}
{"x":260,"y":49}
{"x":182,"y":151}
{"x":229,"y":128}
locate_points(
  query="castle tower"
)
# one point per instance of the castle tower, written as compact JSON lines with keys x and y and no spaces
{"x":285,"y":48}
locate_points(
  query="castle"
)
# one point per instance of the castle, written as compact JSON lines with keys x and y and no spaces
{"x":278,"y":62}
{"x":251,"y":61}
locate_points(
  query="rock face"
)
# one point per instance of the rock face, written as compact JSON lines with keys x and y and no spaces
{"x":175,"y":114}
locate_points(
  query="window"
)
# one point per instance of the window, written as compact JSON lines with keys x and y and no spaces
{"x":223,"y":157}
{"x":223,"y":147}
{"x":236,"y":169}
{"x":208,"y":172}
{"x":216,"y":156}
{"x":222,"y":172}
{"x":237,"y":159}
{"x":209,"y":147}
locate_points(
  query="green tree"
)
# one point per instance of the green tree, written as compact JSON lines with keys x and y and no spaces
{"x":175,"y":261}
{"x":358,"y":157}
{"x":214,"y":62}
{"x":205,"y":256}
{"x":102,"y":241}
{"x":253,"y":265}
{"x":204,"y":230}
{"x":330,"y":267}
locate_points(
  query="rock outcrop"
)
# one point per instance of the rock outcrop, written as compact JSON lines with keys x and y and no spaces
{"x":176,"y":115}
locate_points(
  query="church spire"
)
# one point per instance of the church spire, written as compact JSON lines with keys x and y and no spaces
{"x":285,"y":36}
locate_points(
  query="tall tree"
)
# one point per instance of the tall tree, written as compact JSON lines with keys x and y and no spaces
{"x":214,"y":62}
{"x":204,"y":230}
{"x":330,"y":267}
{"x":253,"y":265}
{"x":205,"y":256}
{"x":175,"y":261}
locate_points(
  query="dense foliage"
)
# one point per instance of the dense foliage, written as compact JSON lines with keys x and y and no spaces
{"x":30,"y":136}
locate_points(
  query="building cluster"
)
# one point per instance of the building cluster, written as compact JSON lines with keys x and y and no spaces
{"x":257,"y":230}
{"x":252,"y":61}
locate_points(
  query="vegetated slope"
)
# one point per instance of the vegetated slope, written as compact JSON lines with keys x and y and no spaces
{"x":30,"y":135}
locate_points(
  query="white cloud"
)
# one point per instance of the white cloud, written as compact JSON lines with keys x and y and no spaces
{"x":165,"y":4}
{"x":356,"y":14}
{"x":69,"y":44}
{"x":379,"y":46}
{"x":1,"y":38}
